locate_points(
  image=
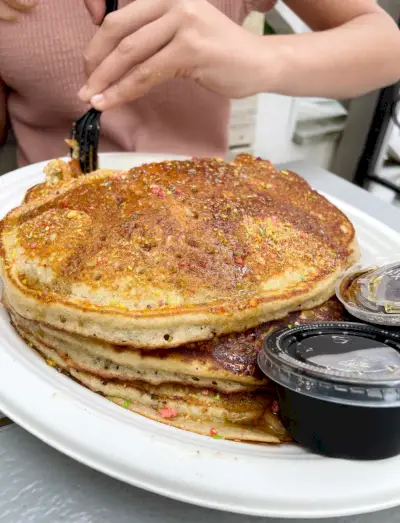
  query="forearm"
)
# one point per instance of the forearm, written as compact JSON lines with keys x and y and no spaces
{"x":347,"y":61}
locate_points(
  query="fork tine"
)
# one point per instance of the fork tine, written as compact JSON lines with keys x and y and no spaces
{"x":92,"y":140}
{"x":86,"y":132}
{"x":89,"y":140}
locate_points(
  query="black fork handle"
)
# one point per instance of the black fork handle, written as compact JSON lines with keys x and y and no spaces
{"x":86,"y":130}
{"x":111,"y":5}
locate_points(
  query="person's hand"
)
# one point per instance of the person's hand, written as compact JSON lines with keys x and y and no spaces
{"x":97,"y":9}
{"x":147,"y":43}
{"x":9,"y":9}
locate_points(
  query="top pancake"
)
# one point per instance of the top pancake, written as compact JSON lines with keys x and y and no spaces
{"x":173,"y":252}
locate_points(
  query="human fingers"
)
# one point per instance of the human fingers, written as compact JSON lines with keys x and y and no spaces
{"x":117,"y":26}
{"x":97,"y":9}
{"x":156,"y":70}
{"x":133,"y":50}
{"x":7,"y":13}
{"x":21,"y":6}
{"x":9,"y":9}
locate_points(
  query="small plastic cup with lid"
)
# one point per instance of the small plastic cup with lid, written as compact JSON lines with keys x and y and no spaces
{"x":338,"y":387}
{"x":372,"y":294}
{"x":382,"y":287}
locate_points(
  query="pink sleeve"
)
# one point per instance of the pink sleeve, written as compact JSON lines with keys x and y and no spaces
{"x":263,"y":6}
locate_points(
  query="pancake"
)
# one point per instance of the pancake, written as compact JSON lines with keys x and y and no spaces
{"x":244,"y":416}
{"x":57,"y":172}
{"x":172,"y":253}
{"x":212,"y":388}
{"x":226,"y":364}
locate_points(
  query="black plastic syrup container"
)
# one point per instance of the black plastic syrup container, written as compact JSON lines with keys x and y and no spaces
{"x":338,"y":387}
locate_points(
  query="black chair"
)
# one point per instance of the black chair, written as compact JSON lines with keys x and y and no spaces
{"x":385,"y":112}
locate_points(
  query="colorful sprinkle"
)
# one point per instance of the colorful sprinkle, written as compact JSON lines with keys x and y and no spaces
{"x":166,"y":412}
{"x":157,"y":191}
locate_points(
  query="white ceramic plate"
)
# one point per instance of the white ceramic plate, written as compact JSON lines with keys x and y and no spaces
{"x":271,"y":481}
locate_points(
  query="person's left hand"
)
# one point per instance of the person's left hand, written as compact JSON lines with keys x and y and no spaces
{"x":147,"y":43}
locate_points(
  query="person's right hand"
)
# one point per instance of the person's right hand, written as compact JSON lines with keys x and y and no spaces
{"x":9,"y":9}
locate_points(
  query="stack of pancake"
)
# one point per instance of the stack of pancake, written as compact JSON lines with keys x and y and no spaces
{"x":155,"y":287}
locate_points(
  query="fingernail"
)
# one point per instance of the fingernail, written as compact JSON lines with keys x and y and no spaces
{"x":83,"y":94}
{"x":97,"y":99}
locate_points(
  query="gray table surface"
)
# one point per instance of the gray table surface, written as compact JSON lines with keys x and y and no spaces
{"x":41,"y":485}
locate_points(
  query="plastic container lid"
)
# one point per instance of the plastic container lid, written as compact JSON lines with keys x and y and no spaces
{"x":341,"y":362}
{"x":382,"y":287}
{"x":372,"y":294}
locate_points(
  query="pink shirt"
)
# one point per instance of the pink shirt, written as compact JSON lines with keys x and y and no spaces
{"x":41,"y":64}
